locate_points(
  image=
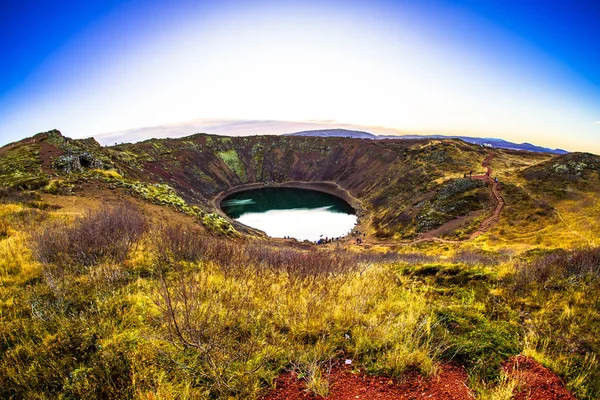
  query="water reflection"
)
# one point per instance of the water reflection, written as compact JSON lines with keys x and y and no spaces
{"x":298,"y":213}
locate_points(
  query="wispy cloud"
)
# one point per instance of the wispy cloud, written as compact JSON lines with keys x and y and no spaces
{"x":596,"y":122}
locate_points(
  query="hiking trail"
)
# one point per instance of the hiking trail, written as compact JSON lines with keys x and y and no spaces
{"x":485,"y":225}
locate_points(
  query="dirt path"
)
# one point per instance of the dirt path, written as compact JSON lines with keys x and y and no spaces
{"x":493,"y":219}
{"x":487,"y":223}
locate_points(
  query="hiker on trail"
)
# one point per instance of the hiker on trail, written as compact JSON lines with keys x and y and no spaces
{"x":496,"y":179}
{"x":470,"y":173}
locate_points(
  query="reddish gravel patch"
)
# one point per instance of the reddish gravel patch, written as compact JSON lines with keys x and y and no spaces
{"x":344,"y":383}
{"x":535,"y":381}
{"x":47,"y":154}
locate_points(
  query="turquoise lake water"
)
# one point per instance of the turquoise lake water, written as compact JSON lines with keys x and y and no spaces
{"x":298,"y":213}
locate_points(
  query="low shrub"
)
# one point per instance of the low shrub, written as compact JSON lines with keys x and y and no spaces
{"x":477,"y":257}
{"x":11,"y":195}
{"x":176,"y":243}
{"x":558,"y":268}
{"x":230,"y":254}
{"x":107,"y":234}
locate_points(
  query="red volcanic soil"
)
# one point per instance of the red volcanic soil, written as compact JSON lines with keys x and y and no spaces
{"x":345,"y":383}
{"x":535,"y":381}
{"x":47,"y":154}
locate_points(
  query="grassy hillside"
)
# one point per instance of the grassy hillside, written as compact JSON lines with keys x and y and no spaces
{"x":396,"y":181}
{"x":119,"y":280}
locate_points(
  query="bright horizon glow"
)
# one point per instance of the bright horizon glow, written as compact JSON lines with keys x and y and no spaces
{"x":410,"y":67}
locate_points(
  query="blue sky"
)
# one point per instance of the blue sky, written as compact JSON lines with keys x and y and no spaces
{"x":519,"y":70}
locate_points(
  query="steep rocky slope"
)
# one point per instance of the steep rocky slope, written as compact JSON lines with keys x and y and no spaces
{"x":405,"y":187}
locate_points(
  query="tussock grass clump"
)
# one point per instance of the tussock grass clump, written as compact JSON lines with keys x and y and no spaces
{"x":504,"y":388}
{"x":17,"y":216}
{"x":104,"y":235}
{"x":480,"y":332}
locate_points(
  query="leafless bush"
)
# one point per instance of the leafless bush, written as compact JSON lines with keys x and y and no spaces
{"x":104,"y":235}
{"x":15,"y":196}
{"x":177,"y":243}
{"x":218,"y":324}
{"x":477,"y":257}
{"x":393,"y":257}
{"x":558,"y":268}
{"x":173,"y":244}
{"x":190,"y":322}
{"x":237,"y":257}
{"x":298,"y":263}
{"x":302,"y":263}
{"x":51,"y":245}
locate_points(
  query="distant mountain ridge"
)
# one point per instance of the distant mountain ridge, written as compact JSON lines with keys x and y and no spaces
{"x":489,"y":142}
{"x":347,"y":133}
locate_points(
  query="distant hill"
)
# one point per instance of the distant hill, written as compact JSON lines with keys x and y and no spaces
{"x":335,"y":133}
{"x":487,"y":142}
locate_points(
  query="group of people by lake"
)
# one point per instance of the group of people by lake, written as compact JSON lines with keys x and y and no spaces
{"x":356,"y":233}
{"x":326,"y":239}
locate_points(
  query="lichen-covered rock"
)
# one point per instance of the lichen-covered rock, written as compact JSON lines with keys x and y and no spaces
{"x":437,"y":156}
{"x":430,"y":220}
{"x":457,"y":186}
{"x":571,"y":167}
{"x":67,"y":164}
{"x":73,"y":163}
{"x":89,"y":161}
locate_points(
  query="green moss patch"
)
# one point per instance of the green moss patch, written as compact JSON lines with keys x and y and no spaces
{"x":233,"y":162}
{"x":21,"y":167}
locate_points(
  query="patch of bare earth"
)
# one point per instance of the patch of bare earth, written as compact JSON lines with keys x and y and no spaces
{"x":47,"y":154}
{"x":346,"y":383}
{"x":535,"y":382}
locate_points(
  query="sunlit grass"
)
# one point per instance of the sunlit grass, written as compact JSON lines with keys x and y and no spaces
{"x":248,"y":311}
